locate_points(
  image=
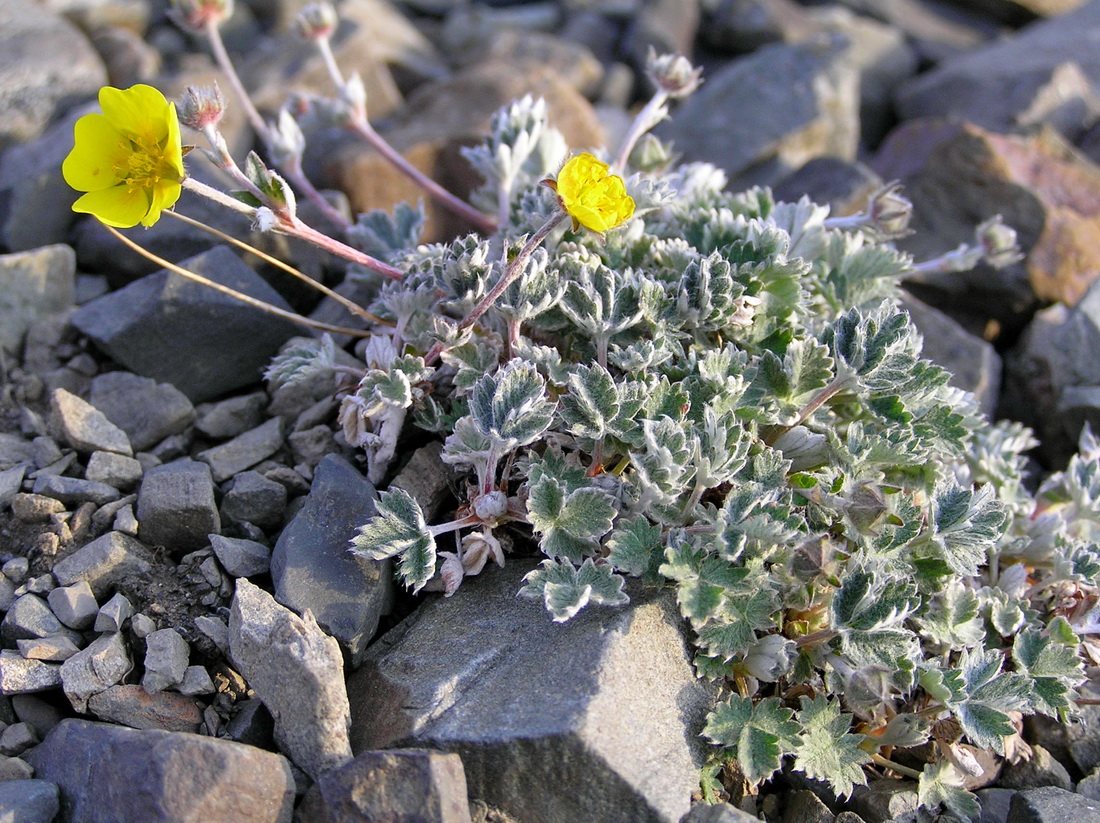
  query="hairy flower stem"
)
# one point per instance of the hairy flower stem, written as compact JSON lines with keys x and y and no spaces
{"x":879,"y":760}
{"x":964,"y":258}
{"x":350,"y":305}
{"x":515,"y":268}
{"x":457,"y":205}
{"x":289,"y":224}
{"x":816,"y":402}
{"x":652,"y":114}
{"x":244,"y":298}
{"x":454,"y":525}
{"x":292,"y":170}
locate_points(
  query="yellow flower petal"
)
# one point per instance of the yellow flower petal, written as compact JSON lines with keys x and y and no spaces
{"x":90,"y":166}
{"x":116,"y":206}
{"x":593,"y":197}
{"x":173,"y":148}
{"x":139,"y":110}
{"x":165,"y":196}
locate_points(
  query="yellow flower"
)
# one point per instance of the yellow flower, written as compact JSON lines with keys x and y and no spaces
{"x":592,"y":196}
{"x":129,"y":159}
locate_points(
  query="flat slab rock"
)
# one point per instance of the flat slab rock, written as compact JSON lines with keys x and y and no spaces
{"x":109,"y":774}
{"x":596,"y":719}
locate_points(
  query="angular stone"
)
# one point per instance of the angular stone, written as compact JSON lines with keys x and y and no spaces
{"x":1052,"y":805}
{"x":1039,"y":770}
{"x":29,"y":801}
{"x":146,"y":410}
{"x":215,"y":629}
{"x":29,"y":708}
{"x":666,"y":26}
{"x":545,"y":734}
{"x":313,"y":570}
{"x":132,"y":706}
{"x":21,"y":676}
{"x":298,"y":671}
{"x":244,"y":451}
{"x":719,"y":813}
{"x":251,"y":723}
{"x":16,"y":569}
{"x":974,"y":364}
{"x":995,"y":804}
{"x":103,"y":664}
{"x":113,"y":469}
{"x":232,"y":416}
{"x":400,"y":784}
{"x":30,"y":617}
{"x":803,"y":806}
{"x":35,"y":508}
{"x":427,"y":478}
{"x":14,"y":768}
{"x":255,"y":499}
{"x":1047,"y":74}
{"x":176,"y":508}
{"x":177,"y":331}
{"x":166,"y":659}
{"x":104,"y":562}
{"x":884,"y":799}
{"x":196,"y":680}
{"x":764,"y":115}
{"x":11,"y":481}
{"x":72,"y":491}
{"x":114,"y":614}
{"x":239,"y":557}
{"x":54,"y":649}
{"x":46,"y":64}
{"x":17,"y":738}
{"x":33,"y":284}
{"x":84,"y":427}
{"x":182,"y":776}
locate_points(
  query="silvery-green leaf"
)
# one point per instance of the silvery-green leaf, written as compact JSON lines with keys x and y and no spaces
{"x":828,"y":750}
{"x":636,"y":547}
{"x":566,"y":589}
{"x":399,"y":529}
{"x":758,"y":735}
{"x":942,"y":784}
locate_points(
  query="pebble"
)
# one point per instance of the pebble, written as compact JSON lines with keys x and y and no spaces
{"x":213,"y":627}
{"x":126,"y":521}
{"x":16,"y":569}
{"x":72,"y":491}
{"x":132,"y":706}
{"x":244,"y":450}
{"x":239,"y":557}
{"x":176,"y":508}
{"x":28,"y":801}
{"x":112,"y":616}
{"x":56,"y":649}
{"x":21,"y":676}
{"x":11,"y":481}
{"x":103,"y":664}
{"x":146,"y":410}
{"x":255,"y":499}
{"x":166,"y":659}
{"x":113,"y":469}
{"x":232,"y":416}
{"x":298,"y":671}
{"x":84,"y":427}
{"x":30,"y":617}
{"x":34,"y":283}
{"x":17,"y":738}
{"x":1052,"y":805}
{"x":142,"y":625}
{"x":196,"y":680}
{"x":103,"y":562}
{"x":30,"y":708}
{"x":35,"y":508}
{"x":1039,"y":770}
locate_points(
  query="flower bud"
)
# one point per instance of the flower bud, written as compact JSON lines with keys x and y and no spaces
{"x":198,"y":14}
{"x":888,"y":212}
{"x":354,"y":94}
{"x":316,"y":21}
{"x":998,"y":243}
{"x":769,"y":658}
{"x":287,"y":140}
{"x":477,"y":548}
{"x":673,"y":73}
{"x":201,"y":108}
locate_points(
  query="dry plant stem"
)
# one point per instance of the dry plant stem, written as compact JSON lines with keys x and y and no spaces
{"x":896,"y":767}
{"x":854,"y":221}
{"x":244,"y":298}
{"x":350,"y":305}
{"x":294,"y":172}
{"x":449,"y":201}
{"x":291,"y":225}
{"x":647,"y":118}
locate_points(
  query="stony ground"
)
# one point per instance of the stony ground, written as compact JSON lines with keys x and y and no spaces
{"x":180,"y":613}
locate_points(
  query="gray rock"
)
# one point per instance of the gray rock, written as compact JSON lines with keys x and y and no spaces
{"x":166,"y":659}
{"x":974,"y":364}
{"x":803,"y":806}
{"x":936,"y":32}
{"x":1052,"y":805}
{"x":667,"y":26}
{"x":298,"y":671}
{"x":30,"y":617}
{"x":313,"y":570}
{"x":14,"y":768}
{"x":21,"y":676}
{"x":232,"y":416}
{"x":17,"y":738}
{"x":196,"y":680}
{"x":176,"y":331}
{"x":54,"y":649}
{"x":16,"y":569}
{"x":1090,"y":785}
{"x":1039,"y":770}
{"x":214,"y":628}
{"x":72,"y":491}
{"x":884,"y":799}
{"x":84,"y":427}
{"x":718,"y":813}
{"x":427,"y":478}
{"x":104,"y":562}
{"x":995,"y":804}
{"x":114,"y":614}
{"x":46,"y":64}
{"x":126,"y":521}
{"x":309,"y":446}
{"x":33,"y":284}
{"x":239,"y":557}
{"x":545,"y":734}
{"x":29,"y":708}
{"x":842,"y":185}
{"x":142,"y":625}
{"x":11,"y":481}
{"x":255,"y":499}
{"x":35,"y":508}
{"x":1048,"y":74}
{"x":176,"y":508}
{"x":15,"y":451}
{"x":765,"y":115}
{"x":251,"y":723}
{"x":103,"y":664}
{"x":244,"y":451}
{"x":7,"y":593}
{"x":849,"y":817}
{"x":400,"y":784}
{"x":182,"y":776}
{"x":29,"y":801}
{"x":146,"y":410}
{"x":132,"y":706}
{"x":743,"y":26}
{"x":113,"y":469}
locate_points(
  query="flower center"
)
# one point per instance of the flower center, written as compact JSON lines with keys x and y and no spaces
{"x":142,"y":163}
